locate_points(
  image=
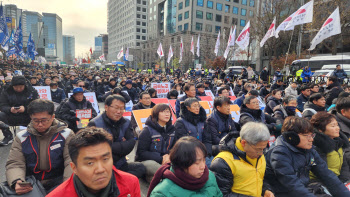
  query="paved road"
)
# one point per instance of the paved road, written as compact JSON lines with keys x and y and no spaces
{"x":4,"y":151}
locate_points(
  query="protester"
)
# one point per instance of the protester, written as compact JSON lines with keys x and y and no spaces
{"x":314,"y":88}
{"x":278,"y":85}
{"x":240,"y":166}
{"x":144,"y":103}
{"x":200,"y":90}
{"x":331,"y":145}
{"x":41,"y":150}
{"x":264,"y":74}
{"x":94,"y":173}
{"x":272,"y":101}
{"x":315,"y":104}
{"x":290,"y":160}
{"x":190,"y":92}
{"x":239,"y":100}
{"x":187,"y":174}
{"x":291,"y":90}
{"x":287,"y":108}
{"x":113,"y":122}
{"x":339,"y":73}
{"x":303,"y":97}
{"x":265,"y":90}
{"x":246,"y":88}
{"x":333,"y":88}
{"x":156,"y":140}
{"x":306,"y":74}
{"x":57,"y":94}
{"x":342,"y":114}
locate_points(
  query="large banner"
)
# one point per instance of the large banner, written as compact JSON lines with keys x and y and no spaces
{"x":235,"y":113}
{"x":209,"y":99}
{"x":44,"y":92}
{"x":206,"y":106}
{"x":90,"y":96}
{"x":162,"y":89}
{"x":210,"y":93}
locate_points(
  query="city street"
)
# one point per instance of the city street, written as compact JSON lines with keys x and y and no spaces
{"x":4,"y":151}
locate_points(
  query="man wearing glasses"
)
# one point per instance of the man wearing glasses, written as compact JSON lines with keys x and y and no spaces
{"x":41,"y":150}
{"x":112,"y":121}
{"x":240,"y":166}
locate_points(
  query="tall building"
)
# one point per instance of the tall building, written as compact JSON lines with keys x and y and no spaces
{"x":97,"y":48}
{"x":32,"y":23}
{"x":12,"y":14}
{"x":68,"y":49}
{"x":127,"y":25}
{"x":53,"y":42}
{"x":105,"y":45}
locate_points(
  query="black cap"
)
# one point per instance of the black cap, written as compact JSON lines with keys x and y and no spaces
{"x":18,"y":80}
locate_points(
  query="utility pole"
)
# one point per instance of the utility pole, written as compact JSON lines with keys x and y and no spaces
{"x":300,"y":34}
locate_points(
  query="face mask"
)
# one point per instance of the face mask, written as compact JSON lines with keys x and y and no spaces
{"x":53,"y":90}
{"x":291,"y":108}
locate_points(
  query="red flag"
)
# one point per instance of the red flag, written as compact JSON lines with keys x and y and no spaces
{"x":91,"y":50}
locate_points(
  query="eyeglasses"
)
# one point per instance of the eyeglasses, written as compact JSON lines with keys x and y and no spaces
{"x":117,"y":108}
{"x":82,"y":86}
{"x":42,"y":121}
{"x":310,"y":136}
{"x":257,"y":150}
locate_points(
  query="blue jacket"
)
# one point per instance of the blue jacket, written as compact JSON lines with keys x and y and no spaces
{"x":288,"y":170}
{"x":178,"y":102}
{"x":239,"y":100}
{"x":58,"y":96}
{"x":306,"y":73}
{"x":340,"y":74}
{"x":301,"y":99}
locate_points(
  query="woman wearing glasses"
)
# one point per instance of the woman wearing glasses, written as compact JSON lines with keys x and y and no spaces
{"x":290,"y":161}
{"x":156,"y":140}
{"x":331,"y":145}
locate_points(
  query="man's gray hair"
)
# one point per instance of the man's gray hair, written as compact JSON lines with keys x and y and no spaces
{"x":254,"y":132}
{"x":288,"y":99}
{"x":248,"y":99}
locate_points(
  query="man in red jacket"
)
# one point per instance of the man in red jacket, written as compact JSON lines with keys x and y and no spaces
{"x":94,"y":173}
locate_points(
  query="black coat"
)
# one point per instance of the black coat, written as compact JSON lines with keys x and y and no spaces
{"x":258,"y":116}
{"x":288,"y":168}
{"x":333,"y":92}
{"x":132,"y":93}
{"x":263,"y":92}
{"x":138,"y":106}
{"x":10,"y":98}
{"x":237,"y":89}
{"x":271,"y":103}
{"x":280,"y":113}
{"x":324,"y":145}
{"x":143,"y":152}
{"x":264,"y":75}
{"x":309,"y":113}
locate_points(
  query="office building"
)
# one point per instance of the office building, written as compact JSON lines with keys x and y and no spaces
{"x":105,"y":45}
{"x":53,"y":42}
{"x":32,"y":23}
{"x":97,"y":48}
{"x":68,"y":49}
{"x":12,"y":14}
{"x":127,"y":25}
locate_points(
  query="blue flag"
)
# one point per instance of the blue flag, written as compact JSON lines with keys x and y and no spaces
{"x":31,"y":53}
{"x":4,"y":34}
{"x":11,"y":37}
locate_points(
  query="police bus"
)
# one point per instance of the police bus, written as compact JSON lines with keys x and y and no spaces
{"x":316,"y":63}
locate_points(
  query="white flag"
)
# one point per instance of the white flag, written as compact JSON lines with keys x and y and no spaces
{"x":127,"y":54}
{"x":303,"y":15}
{"x":283,"y":25}
{"x":217,"y":45}
{"x":102,"y":57}
{"x":160,"y":51}
{"x":120,"y":54}
{"x":329,"y":28}
{"x":192,"y":46}
{"x":170,"y":54}
{"x":243,"y":38}
{"x":230,"y":42}
{"x":198,"y":45}
{"x":181,"y":50}
{"x":270,"y":33}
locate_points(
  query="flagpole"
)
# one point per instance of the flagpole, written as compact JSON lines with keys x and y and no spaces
{"x":290,"y":42}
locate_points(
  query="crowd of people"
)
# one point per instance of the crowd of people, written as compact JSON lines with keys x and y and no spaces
{"x":291,"y":138}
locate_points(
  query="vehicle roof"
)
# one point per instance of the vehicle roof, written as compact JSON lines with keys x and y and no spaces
{"x":329,"y":57}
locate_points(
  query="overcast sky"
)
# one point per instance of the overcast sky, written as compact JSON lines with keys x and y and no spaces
{"x":83,"y":19}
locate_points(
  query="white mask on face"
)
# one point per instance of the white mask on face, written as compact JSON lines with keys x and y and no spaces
{"x":53,"y":90}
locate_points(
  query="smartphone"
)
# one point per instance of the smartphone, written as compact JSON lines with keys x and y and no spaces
{"x":25,"y":184}
{"x":17,"y":107}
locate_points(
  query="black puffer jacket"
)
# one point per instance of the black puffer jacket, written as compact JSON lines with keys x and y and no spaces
{"x":271,"y":103}
{"x":67,"y":112}
{"x":332,"y":92}
{"x":309,"y":108}
{"x":10,"y":98}
{"x":250,"y":115}
{"x":280,"y":113}
{"x":180,"y":128}
{"x":144,"y":152}
{"x":324,"y":145}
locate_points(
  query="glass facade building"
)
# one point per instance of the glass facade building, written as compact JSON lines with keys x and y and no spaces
{"x":53,"y":42}
{"x":68,"y":49}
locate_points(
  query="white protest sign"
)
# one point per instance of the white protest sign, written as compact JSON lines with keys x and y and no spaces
{"x":162,"y":89}
{"x":44,"y":92}
{"x":262,"y":104}
{"x":209,"y":93}
{"x":90,"y":96}
{"x":128,"y":105}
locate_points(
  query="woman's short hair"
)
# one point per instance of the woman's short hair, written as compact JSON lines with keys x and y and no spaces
{"x":321,"y":119}
{"x":288,"y":99}
{"x":297,"y":125}
{"x":173,"y":93}
{"x":159,"y":108}
{"x":254,"y":132}
{"x":315,"y":97}
{"x":184,"y":152}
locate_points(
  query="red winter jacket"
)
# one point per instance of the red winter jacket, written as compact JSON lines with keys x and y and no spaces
{"x":128,"y":186}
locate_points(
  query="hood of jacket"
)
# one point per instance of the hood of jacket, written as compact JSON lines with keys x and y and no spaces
{"x":191,"y":117}
{"x":154,"y":124}
{"x":255,"y":113}
{"x":313,"y":106}
{"x":57,"y":126}
{"x":327,"y":144}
